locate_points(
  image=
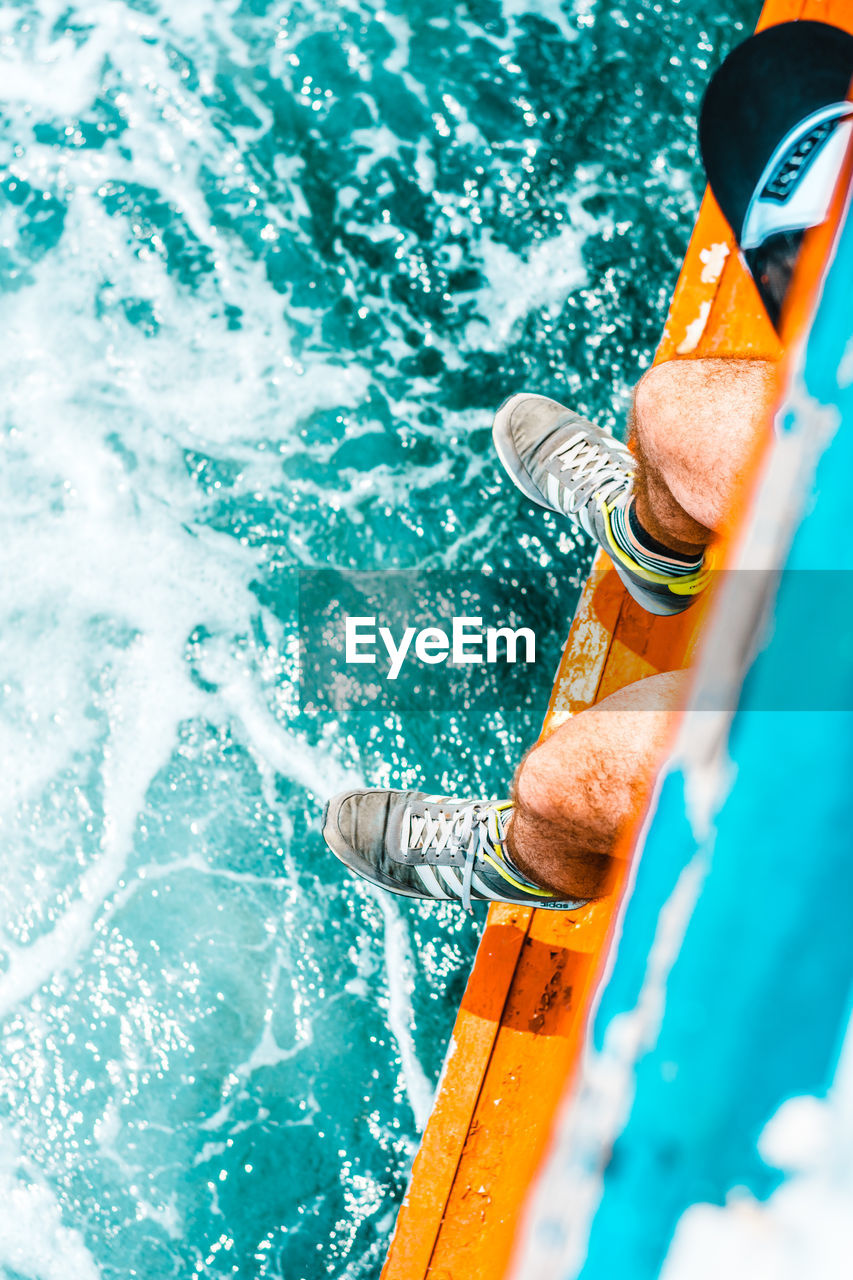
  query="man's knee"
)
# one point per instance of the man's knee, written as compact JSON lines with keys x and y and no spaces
{"x":655,"y":407}
{"x":540,"y":788}
{"x":570,"y":797}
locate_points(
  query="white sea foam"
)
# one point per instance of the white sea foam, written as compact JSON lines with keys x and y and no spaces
{"x":553,"y":268}
{"x":400,"y":979}
{"x":34,"y":1240}
{"x":111,"y":555}
{"x":108,"y":565}
{"x":286,"y":752}
{"x":805,"y":1228}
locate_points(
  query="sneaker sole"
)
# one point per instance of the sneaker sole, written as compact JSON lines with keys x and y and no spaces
{"x":660,"y":606}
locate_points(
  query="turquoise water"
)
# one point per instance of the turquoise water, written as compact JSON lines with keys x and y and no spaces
{"x":266,"y":271}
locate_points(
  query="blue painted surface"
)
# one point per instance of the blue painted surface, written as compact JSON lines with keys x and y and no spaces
{"x":759,"y":996}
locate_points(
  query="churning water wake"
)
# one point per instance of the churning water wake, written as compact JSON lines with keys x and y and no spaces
{"x":266,"y":269}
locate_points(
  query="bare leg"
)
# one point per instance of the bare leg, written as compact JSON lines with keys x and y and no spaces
{"x":577,"y":791}
{"x":695,"y":425}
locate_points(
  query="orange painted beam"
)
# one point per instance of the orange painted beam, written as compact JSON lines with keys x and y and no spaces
{"x":524,"y":1015}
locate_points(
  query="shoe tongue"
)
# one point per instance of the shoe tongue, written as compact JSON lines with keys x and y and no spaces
{"x":428,"y":822}
{"x":548,"y":444}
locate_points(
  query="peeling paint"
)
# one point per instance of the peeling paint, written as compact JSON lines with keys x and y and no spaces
{"x":713,"y":260}
{"x":694,"y":331}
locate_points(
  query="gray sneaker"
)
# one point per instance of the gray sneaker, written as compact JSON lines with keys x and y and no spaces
{"x":567,"y":464}
{"x":432,"y":847}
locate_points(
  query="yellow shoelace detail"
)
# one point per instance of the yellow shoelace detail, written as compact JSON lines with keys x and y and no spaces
{"x":501,"y":867}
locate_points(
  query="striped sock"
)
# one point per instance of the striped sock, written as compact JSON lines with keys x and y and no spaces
{"x":646,"y":551}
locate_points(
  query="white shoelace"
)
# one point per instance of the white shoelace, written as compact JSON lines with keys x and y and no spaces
{"x":594,"y":468}
{"x":438,"y":829}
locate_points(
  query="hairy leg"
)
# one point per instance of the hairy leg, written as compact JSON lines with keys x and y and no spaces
{"x":576,"y":792}
{"x":694,"y":427}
